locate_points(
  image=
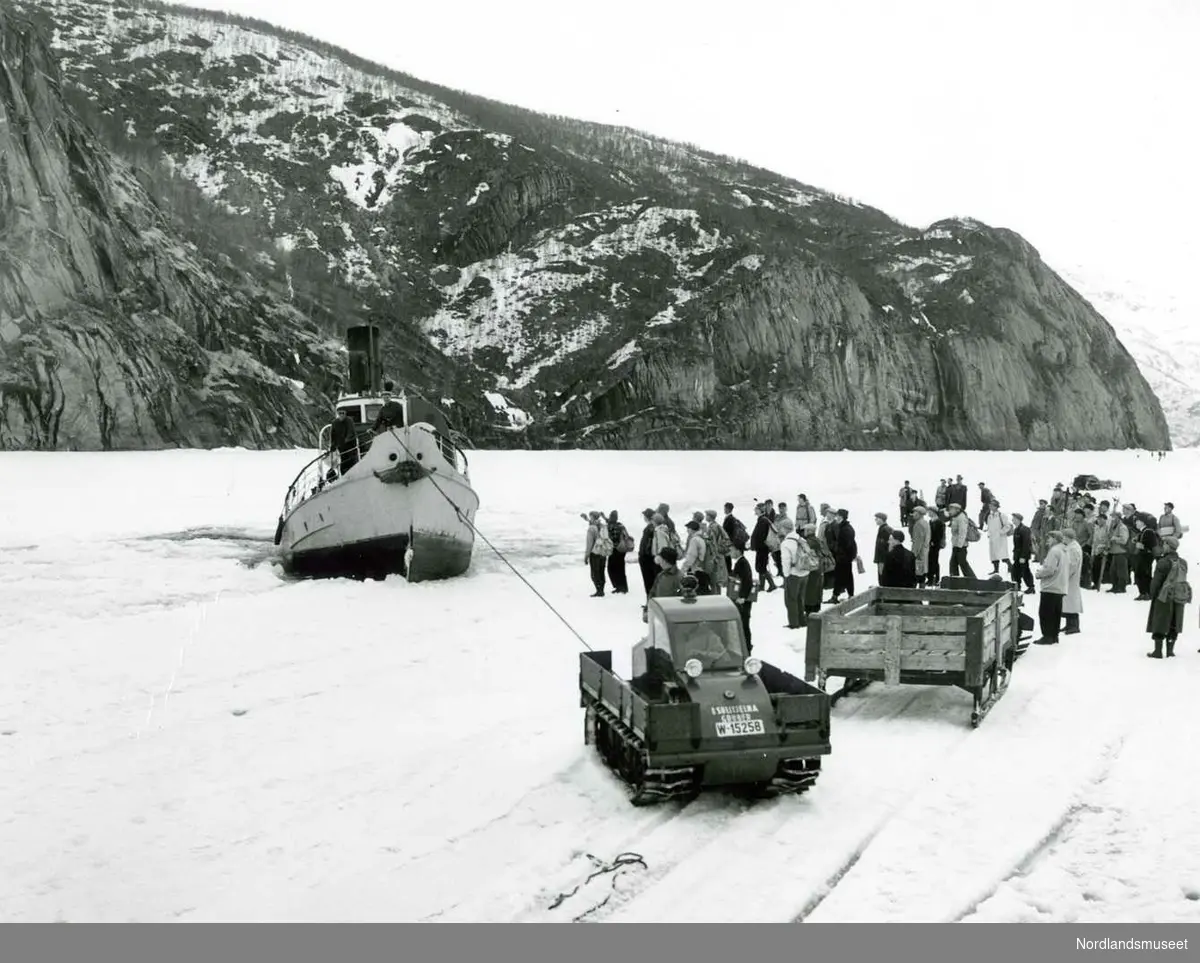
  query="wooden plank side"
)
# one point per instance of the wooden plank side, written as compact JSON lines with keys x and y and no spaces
{"x":851,"y":604}
{"x":950,"y":596}
{"x":891,"y":651}
{"x":934,"y":611}
{"x":922,"y":661}
{"x":812,"y":648}
{"x":932,"y":624}
{"x":974,"y":652}
{"x":909,"y":642}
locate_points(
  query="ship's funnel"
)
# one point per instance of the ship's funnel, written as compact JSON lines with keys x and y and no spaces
{"x":366,"y":362}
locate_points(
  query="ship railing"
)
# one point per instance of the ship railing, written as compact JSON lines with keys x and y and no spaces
{"x":449,"y":447}
{"x":310,"y":481}
{"x":326,"y":468}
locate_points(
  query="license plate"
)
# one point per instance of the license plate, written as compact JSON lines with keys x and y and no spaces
{"x":753,"y":727}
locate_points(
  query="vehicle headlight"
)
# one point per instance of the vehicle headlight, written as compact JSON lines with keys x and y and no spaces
{"x":693,"y":668}
{"x":752,"y":665}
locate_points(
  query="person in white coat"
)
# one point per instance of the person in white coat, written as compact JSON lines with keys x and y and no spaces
{"x":1053,"y":574}
{"x":999,"y":528}
{"x":1073,"y":602}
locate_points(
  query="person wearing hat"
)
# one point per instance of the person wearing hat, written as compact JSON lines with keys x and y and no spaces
{"x":1118,"y":554}
{"x":646,"y":564}
{"x":920,"y":542}
{"x":1169,"y":594}
{"x":742,"y":588}
{"x":1038,"y":527}
{"x":1022,"y":552}
{"x":1052,"y":575}
{"x":694,"y":555}
{"x":956,"y":492}
{"x":1073,"y":601}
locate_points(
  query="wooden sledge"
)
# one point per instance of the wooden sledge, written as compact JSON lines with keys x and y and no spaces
{"x":942,"y":636}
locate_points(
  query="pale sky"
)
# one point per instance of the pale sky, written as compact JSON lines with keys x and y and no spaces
{"x":1072,"y":122}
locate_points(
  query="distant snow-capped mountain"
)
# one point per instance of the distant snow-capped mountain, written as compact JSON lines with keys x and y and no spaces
{"x":554,"y":282}
{"x":1159,"y":328}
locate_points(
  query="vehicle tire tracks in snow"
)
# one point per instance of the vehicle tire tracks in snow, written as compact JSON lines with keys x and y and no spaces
{"x":1075,"y":812}
{"x":721,"y":820}
{"x":527,"y":884}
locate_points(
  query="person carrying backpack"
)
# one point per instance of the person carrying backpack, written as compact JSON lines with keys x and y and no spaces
{"x":799,"y":561}
{"x":736,"y":532}
{"x":694,"y":558}
{"x":597,"y":549}
{"x":1170,"y":592}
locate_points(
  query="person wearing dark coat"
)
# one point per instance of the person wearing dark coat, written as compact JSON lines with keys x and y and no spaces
{"x":646,"y":562}
{"x":617,"y":575}
{"x":899,"y":568}
{"x":845,"y":551}
{"x":937,"y":541}
{"x":741,"y":587}
{"x":883,"y":536}
{"x":762,"y":554}
{"x":1165,"y":621}
{"x":1147,"y":543}
{"x":1022,"y":549}
{"x":344,"y":440}
{"x":391,"y":415}
{"x":669,"y":581}
{"x":956,"y":493}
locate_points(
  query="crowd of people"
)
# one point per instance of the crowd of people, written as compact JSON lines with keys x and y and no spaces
{"x":1076,"y":543}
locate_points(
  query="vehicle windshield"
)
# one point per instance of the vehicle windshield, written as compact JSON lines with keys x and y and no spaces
{"x":717,"y":645}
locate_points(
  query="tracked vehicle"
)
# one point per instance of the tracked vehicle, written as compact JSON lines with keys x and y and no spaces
{"x":698,"y":713}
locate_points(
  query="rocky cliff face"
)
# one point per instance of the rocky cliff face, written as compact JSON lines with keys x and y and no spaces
{"x":561,"y":283}
{"x":113,"y":333}
{"x":804,"y":354}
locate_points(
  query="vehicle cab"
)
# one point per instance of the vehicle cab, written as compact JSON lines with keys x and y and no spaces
{"x":690,"y":636}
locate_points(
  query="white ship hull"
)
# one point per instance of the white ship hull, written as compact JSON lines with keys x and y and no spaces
{"x":406,"y":508}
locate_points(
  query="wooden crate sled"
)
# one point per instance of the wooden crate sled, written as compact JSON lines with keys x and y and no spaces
{"x":954,"y":637}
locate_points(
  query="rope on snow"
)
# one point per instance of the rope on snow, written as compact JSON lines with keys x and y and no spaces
{"x":499,"y":554}
{"x":621,"y":861}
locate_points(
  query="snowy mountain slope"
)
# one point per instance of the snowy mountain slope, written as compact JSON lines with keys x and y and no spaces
{"x":1160,"y":330}
{"x":610,"y":288}
{"x":230,"y":746}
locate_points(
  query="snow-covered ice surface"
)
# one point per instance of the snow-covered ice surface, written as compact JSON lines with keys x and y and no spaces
{"x":188,"y":736}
